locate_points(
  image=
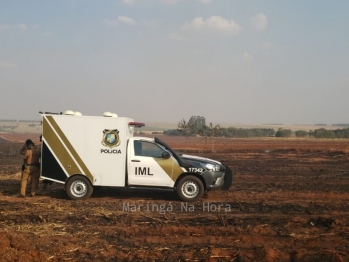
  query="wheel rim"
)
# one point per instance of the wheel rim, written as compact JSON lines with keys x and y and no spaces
{"x":190,"y":189}
{"x":78,"y":188}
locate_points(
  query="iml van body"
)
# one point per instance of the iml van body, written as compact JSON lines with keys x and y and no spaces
{"x":83,"y":152}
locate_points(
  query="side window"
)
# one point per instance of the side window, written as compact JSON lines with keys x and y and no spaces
{"x":138,"y":148}
{"x":147,"y":149}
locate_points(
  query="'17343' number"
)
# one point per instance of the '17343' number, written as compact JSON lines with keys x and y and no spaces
{"x":195,"y":170}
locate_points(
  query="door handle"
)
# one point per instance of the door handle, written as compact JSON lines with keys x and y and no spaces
{"x":135,"y":160}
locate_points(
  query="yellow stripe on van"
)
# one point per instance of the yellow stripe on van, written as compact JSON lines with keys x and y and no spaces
{"x":59,"y":150}
{"x":71,"y":149}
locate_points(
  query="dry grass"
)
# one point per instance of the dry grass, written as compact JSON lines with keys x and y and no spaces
{"x":287,"y":204}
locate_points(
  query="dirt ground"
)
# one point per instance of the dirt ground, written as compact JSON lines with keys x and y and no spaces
{"x":289,"y":202}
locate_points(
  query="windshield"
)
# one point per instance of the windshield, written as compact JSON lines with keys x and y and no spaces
{"x":180,"y":160}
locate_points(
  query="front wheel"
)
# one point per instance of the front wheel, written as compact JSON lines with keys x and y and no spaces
{"x":78,"y":188}
{"x":190,"y":189}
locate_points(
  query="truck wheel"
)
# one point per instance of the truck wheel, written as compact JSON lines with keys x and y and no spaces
{"x":78,"y":188}
{"x":190,"y":188}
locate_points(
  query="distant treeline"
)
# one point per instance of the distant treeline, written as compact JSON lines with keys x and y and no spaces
{"x":4,"y":128}
{"x":196,"y":126}
{"x":13,"y":120}
{"x":229,"y":132}
{"x":341,"y":125}
{"x":267,"y":132}
{"x":326,"y":133}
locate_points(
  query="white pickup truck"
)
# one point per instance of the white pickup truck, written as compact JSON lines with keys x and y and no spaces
{"x":83,"y":152}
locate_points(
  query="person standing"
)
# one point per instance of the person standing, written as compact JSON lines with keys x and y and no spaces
{"x":24,"y":149}
{"x":31,"y":169}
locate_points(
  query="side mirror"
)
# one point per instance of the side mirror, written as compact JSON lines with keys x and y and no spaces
{"x":166,"y":155}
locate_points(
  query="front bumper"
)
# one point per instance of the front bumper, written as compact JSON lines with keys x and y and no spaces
{"x":213,"y":179}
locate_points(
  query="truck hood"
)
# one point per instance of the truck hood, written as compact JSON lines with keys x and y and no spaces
{"x":200,"y":159}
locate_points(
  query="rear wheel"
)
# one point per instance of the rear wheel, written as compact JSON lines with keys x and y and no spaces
{"x":190,"y":188}
{"x":78,"y":188}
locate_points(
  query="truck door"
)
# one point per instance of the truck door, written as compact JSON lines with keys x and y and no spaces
{"x":147,"y":165}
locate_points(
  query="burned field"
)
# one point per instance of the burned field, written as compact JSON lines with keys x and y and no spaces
{"x":289,"y":202}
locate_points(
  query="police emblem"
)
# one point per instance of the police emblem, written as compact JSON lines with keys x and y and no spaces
{"x":111,"y":138}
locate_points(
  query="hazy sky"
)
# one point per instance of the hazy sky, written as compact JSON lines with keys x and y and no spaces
{"x":164,"y":60}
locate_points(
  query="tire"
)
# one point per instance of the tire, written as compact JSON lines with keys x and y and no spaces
{"x":78,"y":188}
{"x":190,"y":188}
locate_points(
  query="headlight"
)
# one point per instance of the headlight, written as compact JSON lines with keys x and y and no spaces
{"x":211,"y":167}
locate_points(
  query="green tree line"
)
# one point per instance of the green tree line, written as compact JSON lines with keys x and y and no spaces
{"x":326,"y":133}
{"x":197,"y":126}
